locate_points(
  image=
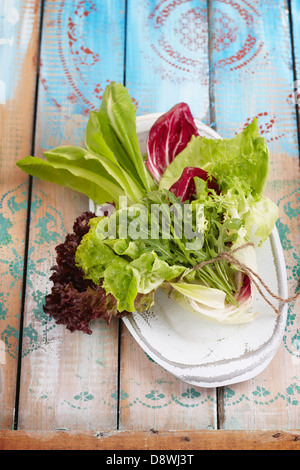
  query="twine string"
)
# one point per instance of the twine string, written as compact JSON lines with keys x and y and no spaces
{"x":255,"y":278}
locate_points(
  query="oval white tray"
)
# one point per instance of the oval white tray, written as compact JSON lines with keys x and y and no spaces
{"x":205,"y":353}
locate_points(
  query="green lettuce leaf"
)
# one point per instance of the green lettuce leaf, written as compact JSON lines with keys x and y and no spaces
{"x":122,"y":284}
{"x":107,"y":168}
{"x":151,"y":272}
{"x":98,"y":188}
{"x":261,"y":218}
{"x":108,"y":262}
{"x":114,"y":126}
{"x":92,"y":255}
{"x":111,"y":165}
{"x":130,"y":249}
{"x":243,"y":159}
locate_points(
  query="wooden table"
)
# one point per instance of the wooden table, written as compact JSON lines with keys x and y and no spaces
{"x":230,"y":60}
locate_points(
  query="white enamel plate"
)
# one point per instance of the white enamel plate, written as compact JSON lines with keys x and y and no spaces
{"x":205,"y":353}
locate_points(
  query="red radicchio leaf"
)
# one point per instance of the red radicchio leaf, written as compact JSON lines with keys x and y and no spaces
{"x":168,"y":136}
{"x":245,"y":290}
{"x":185,"y":187}
{"x":75,"y":301}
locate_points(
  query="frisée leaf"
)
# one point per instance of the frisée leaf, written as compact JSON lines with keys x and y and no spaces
{"x":244,"y":158}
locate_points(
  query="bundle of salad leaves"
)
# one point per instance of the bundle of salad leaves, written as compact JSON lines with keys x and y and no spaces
{"x":166,"y":217}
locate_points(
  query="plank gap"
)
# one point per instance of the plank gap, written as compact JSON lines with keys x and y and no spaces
{"x":212,"y":123}
{"x":125,"y":43}
{"x":291,"y":25}
{"x":211,"y":90}
{"x":119,"y":373}
{"x":220,"y":407}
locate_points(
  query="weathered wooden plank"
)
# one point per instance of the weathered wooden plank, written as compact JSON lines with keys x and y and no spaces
{"x":295,"y":31}
{"x":252,"y":75}
{"x":167,"y":55}
{"x":19,"y":31}
{"x":68,"y":380}
{"x":185,"y":440}
{"x":166,"y":62}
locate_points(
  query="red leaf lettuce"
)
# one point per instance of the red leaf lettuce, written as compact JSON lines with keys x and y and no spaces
{"x":74,"y":301}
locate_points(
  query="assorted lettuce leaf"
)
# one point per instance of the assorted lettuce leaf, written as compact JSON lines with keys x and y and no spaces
{"x":115,"y":125}
{"x":185,"y":186}
{"x":227,"y":313}
{"x":75,"y":301}
{"x":112,"y":265}
{"x":242,"y":160}
{"x":211,"y":303}
{"x":124,"y":272}
{"x":111,"y":166}
{"x":93,"y":185}
{"x":141,"y":264}
{"x":260,"y":218}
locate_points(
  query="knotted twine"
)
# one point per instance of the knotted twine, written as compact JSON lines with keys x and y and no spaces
{"x":254,"y":277}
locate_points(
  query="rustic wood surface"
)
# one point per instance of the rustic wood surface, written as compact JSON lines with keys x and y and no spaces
{"x":18,"y":57}
{"x":187,"y":441}
{"x":230,"y":60}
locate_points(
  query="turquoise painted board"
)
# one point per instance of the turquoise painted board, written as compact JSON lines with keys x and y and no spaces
{"x":82,"y":51}
{"x":251,"y":64}
{"x":12,"y":50}
{"x":167,"y":55}
{"x":19,"y":26}
{"x":252,"y":75}
{"x":69,"y":380}
{"x":295,"y":14}
{"x":166,"y":62}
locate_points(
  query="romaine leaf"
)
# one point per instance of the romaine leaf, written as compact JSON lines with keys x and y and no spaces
{"x":98,"y":188}
{"x":111,"y":166}
{"x":101,"y":165}
{"x":116,"y":123}
{"x":168,"y":136}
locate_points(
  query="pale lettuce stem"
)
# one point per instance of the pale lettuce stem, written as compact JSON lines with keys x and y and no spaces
{"x":216,"y":281}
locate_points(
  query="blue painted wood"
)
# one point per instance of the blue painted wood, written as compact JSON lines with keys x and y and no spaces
{"x":252,"y":76}
{"x":70,"y":381}
{"x":82,"y":51}
{"x":252,"y":71}
{"x":166,"y":62}
{"x":167,"y":55}
{"x":12,"y":51}
{"x":244,"y":62}
{"x":19,"y":25}
{"x":295,"y":23}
